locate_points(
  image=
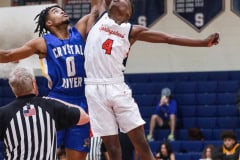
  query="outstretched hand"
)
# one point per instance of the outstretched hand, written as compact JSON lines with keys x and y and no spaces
{"x":213,"y":39}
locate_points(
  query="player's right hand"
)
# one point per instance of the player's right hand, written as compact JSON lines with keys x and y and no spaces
{"x":213,"y":39}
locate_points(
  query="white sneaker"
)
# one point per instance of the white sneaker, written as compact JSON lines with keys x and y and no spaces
{"x":150,"y":138}
{"x":171,"y":137}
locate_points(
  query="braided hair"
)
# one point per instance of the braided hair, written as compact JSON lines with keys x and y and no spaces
{"x":41,"y":20}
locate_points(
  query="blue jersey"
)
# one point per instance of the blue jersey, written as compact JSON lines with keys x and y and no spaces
{"x":165,"y":111}
{"x":64,"y":65}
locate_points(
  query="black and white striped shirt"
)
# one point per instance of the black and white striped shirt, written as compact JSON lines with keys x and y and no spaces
{"x":28,"y":127}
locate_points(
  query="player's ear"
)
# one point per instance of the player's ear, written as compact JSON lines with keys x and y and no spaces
{"x":48,"y":23}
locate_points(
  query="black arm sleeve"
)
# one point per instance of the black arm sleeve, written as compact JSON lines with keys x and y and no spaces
{"x":65,"y":116}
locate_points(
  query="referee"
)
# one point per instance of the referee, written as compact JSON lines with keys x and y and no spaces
{"x":29,"y":123}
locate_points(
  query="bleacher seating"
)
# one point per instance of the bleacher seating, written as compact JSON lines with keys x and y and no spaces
{"x":206,"y":100}
{"x":182,"y":156}
{"x":227,"y":111}
{"x":186,"y":99}
{"x":226,"y":98}
{"x":147,"y":111}
{"x":187,"y":111}
{"x":182,"y":134}
{"x":192,"y":146}
{"x":228,"y":86}
{"x":201,"y":110}
{"x":208,"y":135}
{"x":197,"y":76}
{"x":6,"y":94}
{"x":185,"y":87}
{"x":206,"y":122}
{"x":207,"y":86}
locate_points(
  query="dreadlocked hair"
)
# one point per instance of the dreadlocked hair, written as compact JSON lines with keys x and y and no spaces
{"x":41,"y":21}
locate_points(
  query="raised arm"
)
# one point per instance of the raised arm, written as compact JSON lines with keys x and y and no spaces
{"x":37,"y":46}
{"x":99,"y":5}
{"x":87,"y":21}
{"x":81,"y":25}
{"x":145,"y":34}
{"x":97,"y":8}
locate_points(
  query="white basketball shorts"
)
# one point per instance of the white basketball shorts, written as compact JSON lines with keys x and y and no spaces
{"x":111,"y":106}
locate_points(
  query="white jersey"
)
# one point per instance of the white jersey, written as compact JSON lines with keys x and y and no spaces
{"x":109,"y":98}
{"x":106,"y":49}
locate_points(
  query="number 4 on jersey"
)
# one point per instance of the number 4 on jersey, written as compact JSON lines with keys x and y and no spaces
{"x":107,"y":46}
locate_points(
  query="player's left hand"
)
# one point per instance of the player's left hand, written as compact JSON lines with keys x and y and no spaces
{"x":213,"y":39}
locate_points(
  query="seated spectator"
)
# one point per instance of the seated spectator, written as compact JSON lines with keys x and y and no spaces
{"x":230,"y":149}
{"x":207,"y":152}
{"x":165,"y":152}
{"x":195,"y":134}
{"x":164,"y":115}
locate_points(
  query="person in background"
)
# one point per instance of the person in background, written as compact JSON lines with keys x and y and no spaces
{"x":207,"y":152}
{"x":195,"y":134}
{"x":165,"y":115}
{"x":165,"y":152}
{"x":230,"y":150}
{"x":29,"y":124}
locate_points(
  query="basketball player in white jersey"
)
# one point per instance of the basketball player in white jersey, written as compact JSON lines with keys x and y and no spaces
{"x":111,"y":106}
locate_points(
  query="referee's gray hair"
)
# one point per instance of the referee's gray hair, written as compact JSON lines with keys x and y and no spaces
{"x":21,"y":80}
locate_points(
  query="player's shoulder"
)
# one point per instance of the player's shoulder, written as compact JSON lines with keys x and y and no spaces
{"x":36,"y":41}
{"x":40,"y":45}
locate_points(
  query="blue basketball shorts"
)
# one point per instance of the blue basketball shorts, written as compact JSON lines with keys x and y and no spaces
{"x":77,"y":137}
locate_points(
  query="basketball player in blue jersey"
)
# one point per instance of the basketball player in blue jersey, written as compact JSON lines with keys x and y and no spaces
{"x":61,"y":53}
{"x":110,"y":103}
